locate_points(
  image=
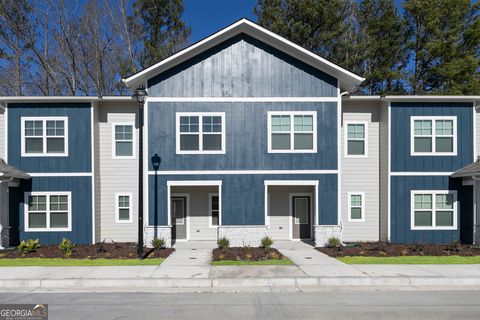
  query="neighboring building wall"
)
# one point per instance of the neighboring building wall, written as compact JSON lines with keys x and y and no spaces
{"x":383,"y":190}
{"x":362,"y":174}
{"x":115,"y":175}
{"x":2,"y":133}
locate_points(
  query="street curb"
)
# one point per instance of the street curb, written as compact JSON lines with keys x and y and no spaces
{"x":239,"y":284}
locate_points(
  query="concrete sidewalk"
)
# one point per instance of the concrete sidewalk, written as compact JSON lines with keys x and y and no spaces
{"x":189,"y":270}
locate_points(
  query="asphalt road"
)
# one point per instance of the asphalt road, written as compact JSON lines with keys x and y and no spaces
{"x":319,"y":305}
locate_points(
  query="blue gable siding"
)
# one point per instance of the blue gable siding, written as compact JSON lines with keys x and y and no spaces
{"x":243,"y":200}
{"x":243,"y":67}
{"x":79,"y":137}
{"x":81,"y":190}
{"x":400,"y":137}
{"x":246,"y":137}
{"x":401,"y":187}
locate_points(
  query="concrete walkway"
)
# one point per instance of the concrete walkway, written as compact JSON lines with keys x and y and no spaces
{"x":189,"y":270}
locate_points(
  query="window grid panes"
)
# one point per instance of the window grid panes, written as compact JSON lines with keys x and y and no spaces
{"x":433,"y":210}
{"x":290,"y":132}
{"x":356,"y":207}
{"x":433,"y":136}
{"x":123,"y":208}
{"x":356,"y":138}
{"x":201,"y":133}
{"x":124,"y":140}
{"x":48,"y":212}
{"x":44,"y":137}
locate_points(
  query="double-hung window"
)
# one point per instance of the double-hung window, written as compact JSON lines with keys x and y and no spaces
{"x":200,"y":132}
{"x":123,"y":140}
{"x":46,"y":136}
{"x":356,"y":207}
{"x":433,"y":136}
{"x":433,"y":210}
{"x":356,"y":141}
{"x":214,"y":206}
{"x":123,"y":207}
{"x":292,"y":132}
{"x":48,"y":211}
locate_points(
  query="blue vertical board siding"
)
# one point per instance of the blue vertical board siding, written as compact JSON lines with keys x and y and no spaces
{"x":400,"y":206}
{"x":79,"y":137}
{"x":246,"y":137}
{"x":401,"y":159}
{"x":243,"y":66}
{"x":243,"y":201}
{"x":81,"y":193}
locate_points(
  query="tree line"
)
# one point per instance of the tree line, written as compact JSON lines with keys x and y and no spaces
{"x":85,"y":47}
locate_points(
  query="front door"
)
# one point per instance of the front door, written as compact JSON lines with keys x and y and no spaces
{"x":301,"y":215}
{"x":178,"y":210}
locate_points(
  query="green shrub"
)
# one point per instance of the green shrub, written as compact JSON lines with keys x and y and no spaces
{"x":224,"y":244}
{"x":28,"y":246}
{"x":66,"y":247}
{"x":159,"y":243}
{"x":333,"y":242}
{"x":267,"y":243}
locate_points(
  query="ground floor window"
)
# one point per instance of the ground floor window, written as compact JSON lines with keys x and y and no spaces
{"x":435,"y":210}
{"x":356,"y":206}
{"x":123,"y":208}
{"x":214,"y":209}
{"x":48,"y":211}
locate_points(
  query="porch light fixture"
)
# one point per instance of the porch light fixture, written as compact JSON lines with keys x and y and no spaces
{"x":140,"y":94}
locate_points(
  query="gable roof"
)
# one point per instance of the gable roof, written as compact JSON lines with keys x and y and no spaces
{"x":347,"y":79}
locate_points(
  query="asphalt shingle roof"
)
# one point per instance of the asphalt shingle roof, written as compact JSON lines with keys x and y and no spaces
{"x":470,"y":170}
{"x":11,"y":172}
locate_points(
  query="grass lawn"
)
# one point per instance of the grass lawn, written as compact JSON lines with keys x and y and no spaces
{"x":270,"y":262}
{"x":59,"y":262}
{"x":412,"y":260}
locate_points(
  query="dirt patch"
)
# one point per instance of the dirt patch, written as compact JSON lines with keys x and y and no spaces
{"x":123,"y":250}
{"x":384,"y":249}
{"x":244,"y":254}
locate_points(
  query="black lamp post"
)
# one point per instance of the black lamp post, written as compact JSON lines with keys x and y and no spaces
{"x":156,"y":160}
{"x":140,"y":94}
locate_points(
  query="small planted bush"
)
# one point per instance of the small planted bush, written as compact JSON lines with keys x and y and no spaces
{"x":66,"y":247}
{"x":158,"y":243}
{"x":28,"y":246}
{"x":224,"y":244}
{"x":333,"y":242}
{"x":267,"y":243}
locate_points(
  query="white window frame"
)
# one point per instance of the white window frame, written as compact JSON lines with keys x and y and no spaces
{"x":210,"y":217}
{"x":114,"y":140}
{"x":117,"y":207}
{"x":349,"y":213}
{"x":433,"y":119}
{"x":47,"y":195}
{"x":433,"y":193}
{"x":292,"y":115}
{"x":200,"y":132}
{"x":365,"y":139}
{"x":44,"y":136}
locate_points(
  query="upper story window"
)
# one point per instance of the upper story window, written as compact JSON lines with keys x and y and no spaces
{"x":356,"y":207}
{"x":200,"y":132}
{"x":123,"y":141}
{"x":48,"y":211}
{"x":356,"y":139}
{"x":47,"y":136}
{"x":433,"y":136}
{"x":292,"y":132}
{"x":433,"y":210}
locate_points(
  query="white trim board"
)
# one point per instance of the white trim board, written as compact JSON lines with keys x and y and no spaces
{"x":60,"y":174}
{"x":412,"y":173}
{"x":193,"y":172}
{"x":243,"y":99}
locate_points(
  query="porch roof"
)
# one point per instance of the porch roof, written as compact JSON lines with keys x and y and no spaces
{"x":470,"y":170}
{"x":8,"y":171}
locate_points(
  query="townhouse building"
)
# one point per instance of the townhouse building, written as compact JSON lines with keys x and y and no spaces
{"x":246,"y":135}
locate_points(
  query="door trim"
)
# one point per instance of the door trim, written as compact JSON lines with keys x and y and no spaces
{"x":290,"y":214}
{"x":187,"y":213}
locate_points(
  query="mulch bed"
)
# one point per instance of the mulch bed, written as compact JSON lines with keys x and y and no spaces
{"x":250,"y":254}
{"x":121,"y":250}
{"x":384,"y":249}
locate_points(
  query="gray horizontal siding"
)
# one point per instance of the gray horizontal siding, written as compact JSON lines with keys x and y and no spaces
{"x":246,"y":137}
{"x":243,"y":67}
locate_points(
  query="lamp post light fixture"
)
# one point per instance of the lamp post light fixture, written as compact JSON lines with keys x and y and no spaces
{"x":140,"y":94}
{"x":156,"y":160}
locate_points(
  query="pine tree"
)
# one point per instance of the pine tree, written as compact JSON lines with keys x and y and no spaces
{"x":385,"y":54}
{"x":164,"y":32}
{"x":445,"y":46}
